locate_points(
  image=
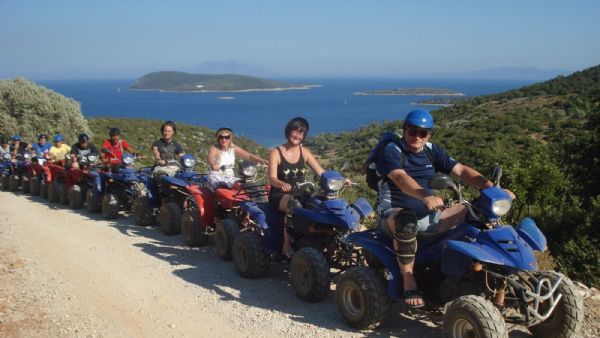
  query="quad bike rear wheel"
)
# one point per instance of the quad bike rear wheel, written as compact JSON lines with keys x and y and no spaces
{"x":13,"y":183}
{"x":63,"y":194}
{"x":53,"y":192}
{"x":361,"y":297}
{"x":249,"y":257}
{"x":34,"y":186}
{"x":92,"y":202}
{"x":25,"y":184}
{"x":4,"y":181}
{"x":310,"y":274}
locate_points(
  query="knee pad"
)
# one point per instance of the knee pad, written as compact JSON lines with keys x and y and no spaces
{"x":406,"y":235}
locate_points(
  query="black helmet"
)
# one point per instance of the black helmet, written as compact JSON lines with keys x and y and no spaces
{"x":3,"y":139}
{"x":114,"y":131}
{"x":83,"y":138}
{"x":295,"y":124}
{"x":42,"y":136}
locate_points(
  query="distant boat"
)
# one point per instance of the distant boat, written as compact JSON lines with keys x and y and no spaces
{"x":225,"y":98}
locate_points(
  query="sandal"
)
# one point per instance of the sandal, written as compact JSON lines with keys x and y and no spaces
{"x":413,"y":295}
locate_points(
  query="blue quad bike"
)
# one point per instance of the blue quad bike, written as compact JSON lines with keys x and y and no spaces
{"x":5,"y":170}
{"x":20,"y":173}
{"x":115,"y":190}
{"x":317,"y":229}
{"x":167,"y":196}
{"x":482,"y":274}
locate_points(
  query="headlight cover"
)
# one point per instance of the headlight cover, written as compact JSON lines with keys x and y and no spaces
{"x":335,"y":184}
{"x":189,"y":162}
{"x":249,"y":170}
{"x":6,"y":156}
{"x":127,"y":159}
{"x":27,"y":156}
{"x":92,"y":158}
{"x":501,"y":207}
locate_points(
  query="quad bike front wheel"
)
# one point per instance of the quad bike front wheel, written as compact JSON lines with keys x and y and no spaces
{"x":142,"y":213}
{"x":93,"y":203}
{"x":225,"y":233}
{"x":473,"y":317}
{"x":4,"y":180}
{"x":34,"y":186}
{"x":75,"y":197}
{"x":170,"y":218}
{"x":310,"y":274}
{"x":191,"y":228}
{"x":361,"y":297}
{"x":26,"y":185}
{"x":53,"y":192}
{"x":567,"y":317}
{"x":63,"y":194}
{"x":110,"y":206}
{"x":13,"y":183}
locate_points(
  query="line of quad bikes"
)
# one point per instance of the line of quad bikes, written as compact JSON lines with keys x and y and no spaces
{"x":482,"y":275}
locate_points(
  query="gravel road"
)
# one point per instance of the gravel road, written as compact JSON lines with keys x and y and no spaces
{"x":71,"y":273}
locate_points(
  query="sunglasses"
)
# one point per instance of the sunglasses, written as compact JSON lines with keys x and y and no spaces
{"x":422,"y":133}
{"x":224,"y":137}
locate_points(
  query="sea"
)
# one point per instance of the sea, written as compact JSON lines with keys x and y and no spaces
{"x":261,"y":116}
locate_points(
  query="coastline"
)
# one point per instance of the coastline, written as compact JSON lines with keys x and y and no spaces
{"x":409,"y":94}
{"x":303,"y":87}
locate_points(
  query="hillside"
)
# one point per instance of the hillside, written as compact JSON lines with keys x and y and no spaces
{"x":180,"y":81}
{"x":547,"y":138}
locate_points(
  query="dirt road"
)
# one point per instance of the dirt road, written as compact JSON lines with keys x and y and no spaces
{"x":70,"y":273}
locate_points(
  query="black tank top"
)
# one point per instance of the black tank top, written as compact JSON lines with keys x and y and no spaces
{"x":291,"y":172}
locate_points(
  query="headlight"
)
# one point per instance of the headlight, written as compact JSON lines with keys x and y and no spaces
{"x":6,"y":156}
{"x":249,"y":170}
{"x":335,"y":184}
{"x":127,"y":159}
{"x":189,"y":162}
{"x":92,"y":158}
{"x":27,"y":156}
{"x":501,"y":207}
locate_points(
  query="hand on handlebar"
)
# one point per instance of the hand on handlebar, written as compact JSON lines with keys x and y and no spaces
{"x":286,"y":187}
{"x":433,"y":203}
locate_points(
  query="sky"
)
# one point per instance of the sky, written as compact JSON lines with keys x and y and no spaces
{"x":62,"y":39}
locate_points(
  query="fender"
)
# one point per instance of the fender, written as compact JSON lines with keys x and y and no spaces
{"x":368,"y":240}
{"x":532,"y":234}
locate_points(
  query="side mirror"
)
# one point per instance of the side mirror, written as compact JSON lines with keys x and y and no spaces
{"x":496,"y":175}
{"x":441,"y":181}
{"x":345,"y":166}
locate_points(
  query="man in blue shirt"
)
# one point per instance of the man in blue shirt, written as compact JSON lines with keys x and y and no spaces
{"x":41,"y":148}
{"x":406,"y":203}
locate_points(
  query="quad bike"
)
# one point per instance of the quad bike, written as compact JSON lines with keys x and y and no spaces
{"x":317,"y":230}
{"x":482,"y":274}
{"x":5,"y":170}
{"x":19,"y":172}
{"x":78,"y":180}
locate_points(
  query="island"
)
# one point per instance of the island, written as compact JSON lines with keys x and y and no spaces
{"x":412,"y":92}
{"x":440,"y":101}
{"x":168,"y":81}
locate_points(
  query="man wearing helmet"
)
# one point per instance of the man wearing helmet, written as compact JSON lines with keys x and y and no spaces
{"x":18,"y":148}
{"x":113,"y":147}
{"x":41,"y":148}
{"x":81,"y":150}
{"x":406,"y":203}
{"x":4,"y":146}
{"x":59,"y":150}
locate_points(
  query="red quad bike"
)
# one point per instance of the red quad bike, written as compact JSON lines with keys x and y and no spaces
{"x":55,"y":182}
{"x":77,"y":180}
{"x":37,"y":172}
{"x":219,"y":213}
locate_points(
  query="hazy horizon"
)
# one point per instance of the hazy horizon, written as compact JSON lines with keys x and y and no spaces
{"x":68,"y":39}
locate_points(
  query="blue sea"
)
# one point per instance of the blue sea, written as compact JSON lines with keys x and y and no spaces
{"x":261,"y":116}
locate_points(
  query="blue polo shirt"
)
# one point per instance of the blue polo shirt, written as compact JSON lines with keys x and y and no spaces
{"x":418,"y":166}
{"x":38,"y":149}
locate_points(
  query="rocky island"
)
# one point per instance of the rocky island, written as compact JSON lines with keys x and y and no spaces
{"x":412,"y":92}
{"x":185,"y":82}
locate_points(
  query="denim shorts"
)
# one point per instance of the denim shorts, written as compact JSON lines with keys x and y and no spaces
{"x":426,"y":224}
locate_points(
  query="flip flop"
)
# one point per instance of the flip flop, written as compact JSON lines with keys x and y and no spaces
{"x":413,"y":294}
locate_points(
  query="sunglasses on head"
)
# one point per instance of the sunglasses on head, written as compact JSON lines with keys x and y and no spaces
{"x":422,"y":133}
{"x":224,"y":137}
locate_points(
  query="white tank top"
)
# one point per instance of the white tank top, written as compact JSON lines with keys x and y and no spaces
{"x":227,"y":158}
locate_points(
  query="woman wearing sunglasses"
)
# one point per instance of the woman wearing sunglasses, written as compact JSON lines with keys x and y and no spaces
{"x":221,"y":159}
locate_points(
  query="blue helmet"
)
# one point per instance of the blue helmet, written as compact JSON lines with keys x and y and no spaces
{"x":419,"y":118}
{"x":16,"y":138}
{"x":58,"y":138}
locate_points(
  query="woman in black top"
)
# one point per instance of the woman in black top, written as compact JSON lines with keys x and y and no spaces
{"x":287,"y":166}
{"x":166,"y":149}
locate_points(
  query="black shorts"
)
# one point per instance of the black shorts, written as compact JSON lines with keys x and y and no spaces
{"x":275,"y":197}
